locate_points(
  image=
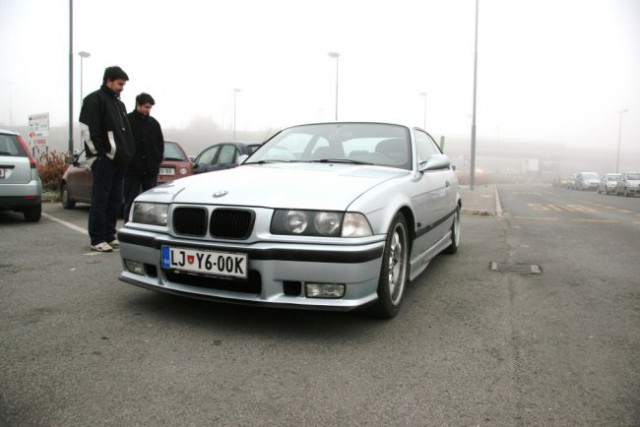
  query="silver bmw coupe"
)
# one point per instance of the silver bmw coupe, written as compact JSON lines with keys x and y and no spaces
{"x":328,"y":216}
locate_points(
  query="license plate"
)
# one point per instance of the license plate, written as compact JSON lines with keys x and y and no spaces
{"x":167,"y":171}
{"x":213,"y":263}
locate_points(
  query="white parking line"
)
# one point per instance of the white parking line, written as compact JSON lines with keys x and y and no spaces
{"x":66,"y":224}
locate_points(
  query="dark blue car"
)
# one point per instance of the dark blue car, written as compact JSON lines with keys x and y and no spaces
{"x":223,"y":155}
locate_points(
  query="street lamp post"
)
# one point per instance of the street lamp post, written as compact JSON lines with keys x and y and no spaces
{"x":235,"y":94}
{"x":70,"y":76}
{"x":621,"y":112}
{"x":472,"y":174}
{"x":83,"y":55}
{"x":336,"y":55}
{"x":424,"y":120}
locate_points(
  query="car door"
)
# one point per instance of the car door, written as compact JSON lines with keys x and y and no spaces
{"x":80,"y":179}
{"x":620,"y":184}
{"x":435,"y":201}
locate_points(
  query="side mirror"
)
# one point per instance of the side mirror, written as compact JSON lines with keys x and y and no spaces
{"x":71,"y":160}
{"x":436,"y":162}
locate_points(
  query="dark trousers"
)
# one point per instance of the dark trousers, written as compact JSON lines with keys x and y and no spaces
{"x":134,"y":185}
{"x":106,"y":199}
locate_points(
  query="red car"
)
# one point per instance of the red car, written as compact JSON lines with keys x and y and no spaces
{"x":76,"y":183}
{"x":176,"y":163}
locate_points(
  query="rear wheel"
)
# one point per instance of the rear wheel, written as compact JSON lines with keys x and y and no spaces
{"x":393,"y":274}
{"x":67,"y":203}
{"x":33,"y":213}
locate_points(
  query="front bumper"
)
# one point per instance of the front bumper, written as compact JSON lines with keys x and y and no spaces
{"x":278,"y":272}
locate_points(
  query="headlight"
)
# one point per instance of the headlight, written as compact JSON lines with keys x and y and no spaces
{"x":319,"y":223}
{"x":150,"y":213}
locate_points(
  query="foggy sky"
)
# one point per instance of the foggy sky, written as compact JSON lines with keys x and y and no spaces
{"x":553,"y":71}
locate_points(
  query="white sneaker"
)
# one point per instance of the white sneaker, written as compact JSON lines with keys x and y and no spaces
{"x":102,"y":247}
{"x":115,"y":244}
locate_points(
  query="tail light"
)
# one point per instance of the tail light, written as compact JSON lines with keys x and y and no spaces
{"x":25,"y":147}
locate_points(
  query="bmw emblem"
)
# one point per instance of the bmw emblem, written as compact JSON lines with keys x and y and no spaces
{"x":220,"y":193}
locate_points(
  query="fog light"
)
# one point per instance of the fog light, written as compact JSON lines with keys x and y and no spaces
{"x":134,"y":266}
{"x":324,"y":290}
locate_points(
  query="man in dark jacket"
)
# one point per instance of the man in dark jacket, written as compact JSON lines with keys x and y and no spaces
{"x":142,"y":173}
{"x":107,"y":136}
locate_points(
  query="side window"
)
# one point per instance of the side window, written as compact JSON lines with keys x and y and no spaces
{"x":207,"y":157}
{"x":425,"y":146}
{"x":227,"y":154}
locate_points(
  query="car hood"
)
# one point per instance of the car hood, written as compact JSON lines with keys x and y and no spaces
{"x":295,"y":185}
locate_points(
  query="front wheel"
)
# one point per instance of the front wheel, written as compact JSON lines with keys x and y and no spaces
{"x":455,"y":234}
{"x":67,"y":203}
{"x":393,"y":273}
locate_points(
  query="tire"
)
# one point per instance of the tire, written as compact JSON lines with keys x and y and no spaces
{"x":394,"y":270}
{"x":67,"y":203}
{"x":33,"y":213}
{"x":455,"y":234}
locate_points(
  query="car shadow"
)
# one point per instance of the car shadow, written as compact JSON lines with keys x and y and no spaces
{"x":252,"y":320}
{"x":11,"y":217}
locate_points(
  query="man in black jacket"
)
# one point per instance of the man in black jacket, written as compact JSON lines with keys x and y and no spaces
{"x":142,"y":173}
{"x":107,"y":136}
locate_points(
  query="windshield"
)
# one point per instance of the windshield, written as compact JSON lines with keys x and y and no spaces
{"x":633,"y":176}
{"x":361,"y":143}
{"x":590,"y":176}
{"x":173,"y":152}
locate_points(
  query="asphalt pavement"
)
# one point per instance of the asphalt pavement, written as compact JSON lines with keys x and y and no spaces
{"x":482,"y":200}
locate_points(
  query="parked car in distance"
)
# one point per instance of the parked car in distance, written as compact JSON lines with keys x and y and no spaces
{"x":326,"y":216}
{"x":587,"y":181}
{"x":571,"y":183}
{"x":77,"y":180}
{"x":20,"y":185}
{"x":628,"y":183}
{"x":223,"y":155}
{"x":608,"y":183}
{"x":176,"y":163}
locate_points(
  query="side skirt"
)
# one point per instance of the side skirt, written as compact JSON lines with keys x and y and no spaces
{"x":419,"y":263}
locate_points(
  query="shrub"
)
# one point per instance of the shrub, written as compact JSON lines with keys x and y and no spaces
{"x":51,"y":167}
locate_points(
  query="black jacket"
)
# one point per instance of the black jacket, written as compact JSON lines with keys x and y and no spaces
{"x":104,"y":126}
{"x":149,"y":142}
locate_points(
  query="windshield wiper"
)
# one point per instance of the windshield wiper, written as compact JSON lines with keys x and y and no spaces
{"x":264,"y":162}
{"x":349,"y":161}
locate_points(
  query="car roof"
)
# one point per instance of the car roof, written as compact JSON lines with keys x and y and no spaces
{"x":8,"y":132}
{"x":363,"y":122}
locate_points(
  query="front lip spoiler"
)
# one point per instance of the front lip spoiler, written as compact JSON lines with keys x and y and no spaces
{"x":265,"y":304}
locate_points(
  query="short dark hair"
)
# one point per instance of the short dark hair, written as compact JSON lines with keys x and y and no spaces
{"x":145,"y":98}
{"x":114,"y":73}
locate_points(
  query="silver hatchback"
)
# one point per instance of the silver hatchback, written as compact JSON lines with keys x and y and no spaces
{"x":20,"y":185}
